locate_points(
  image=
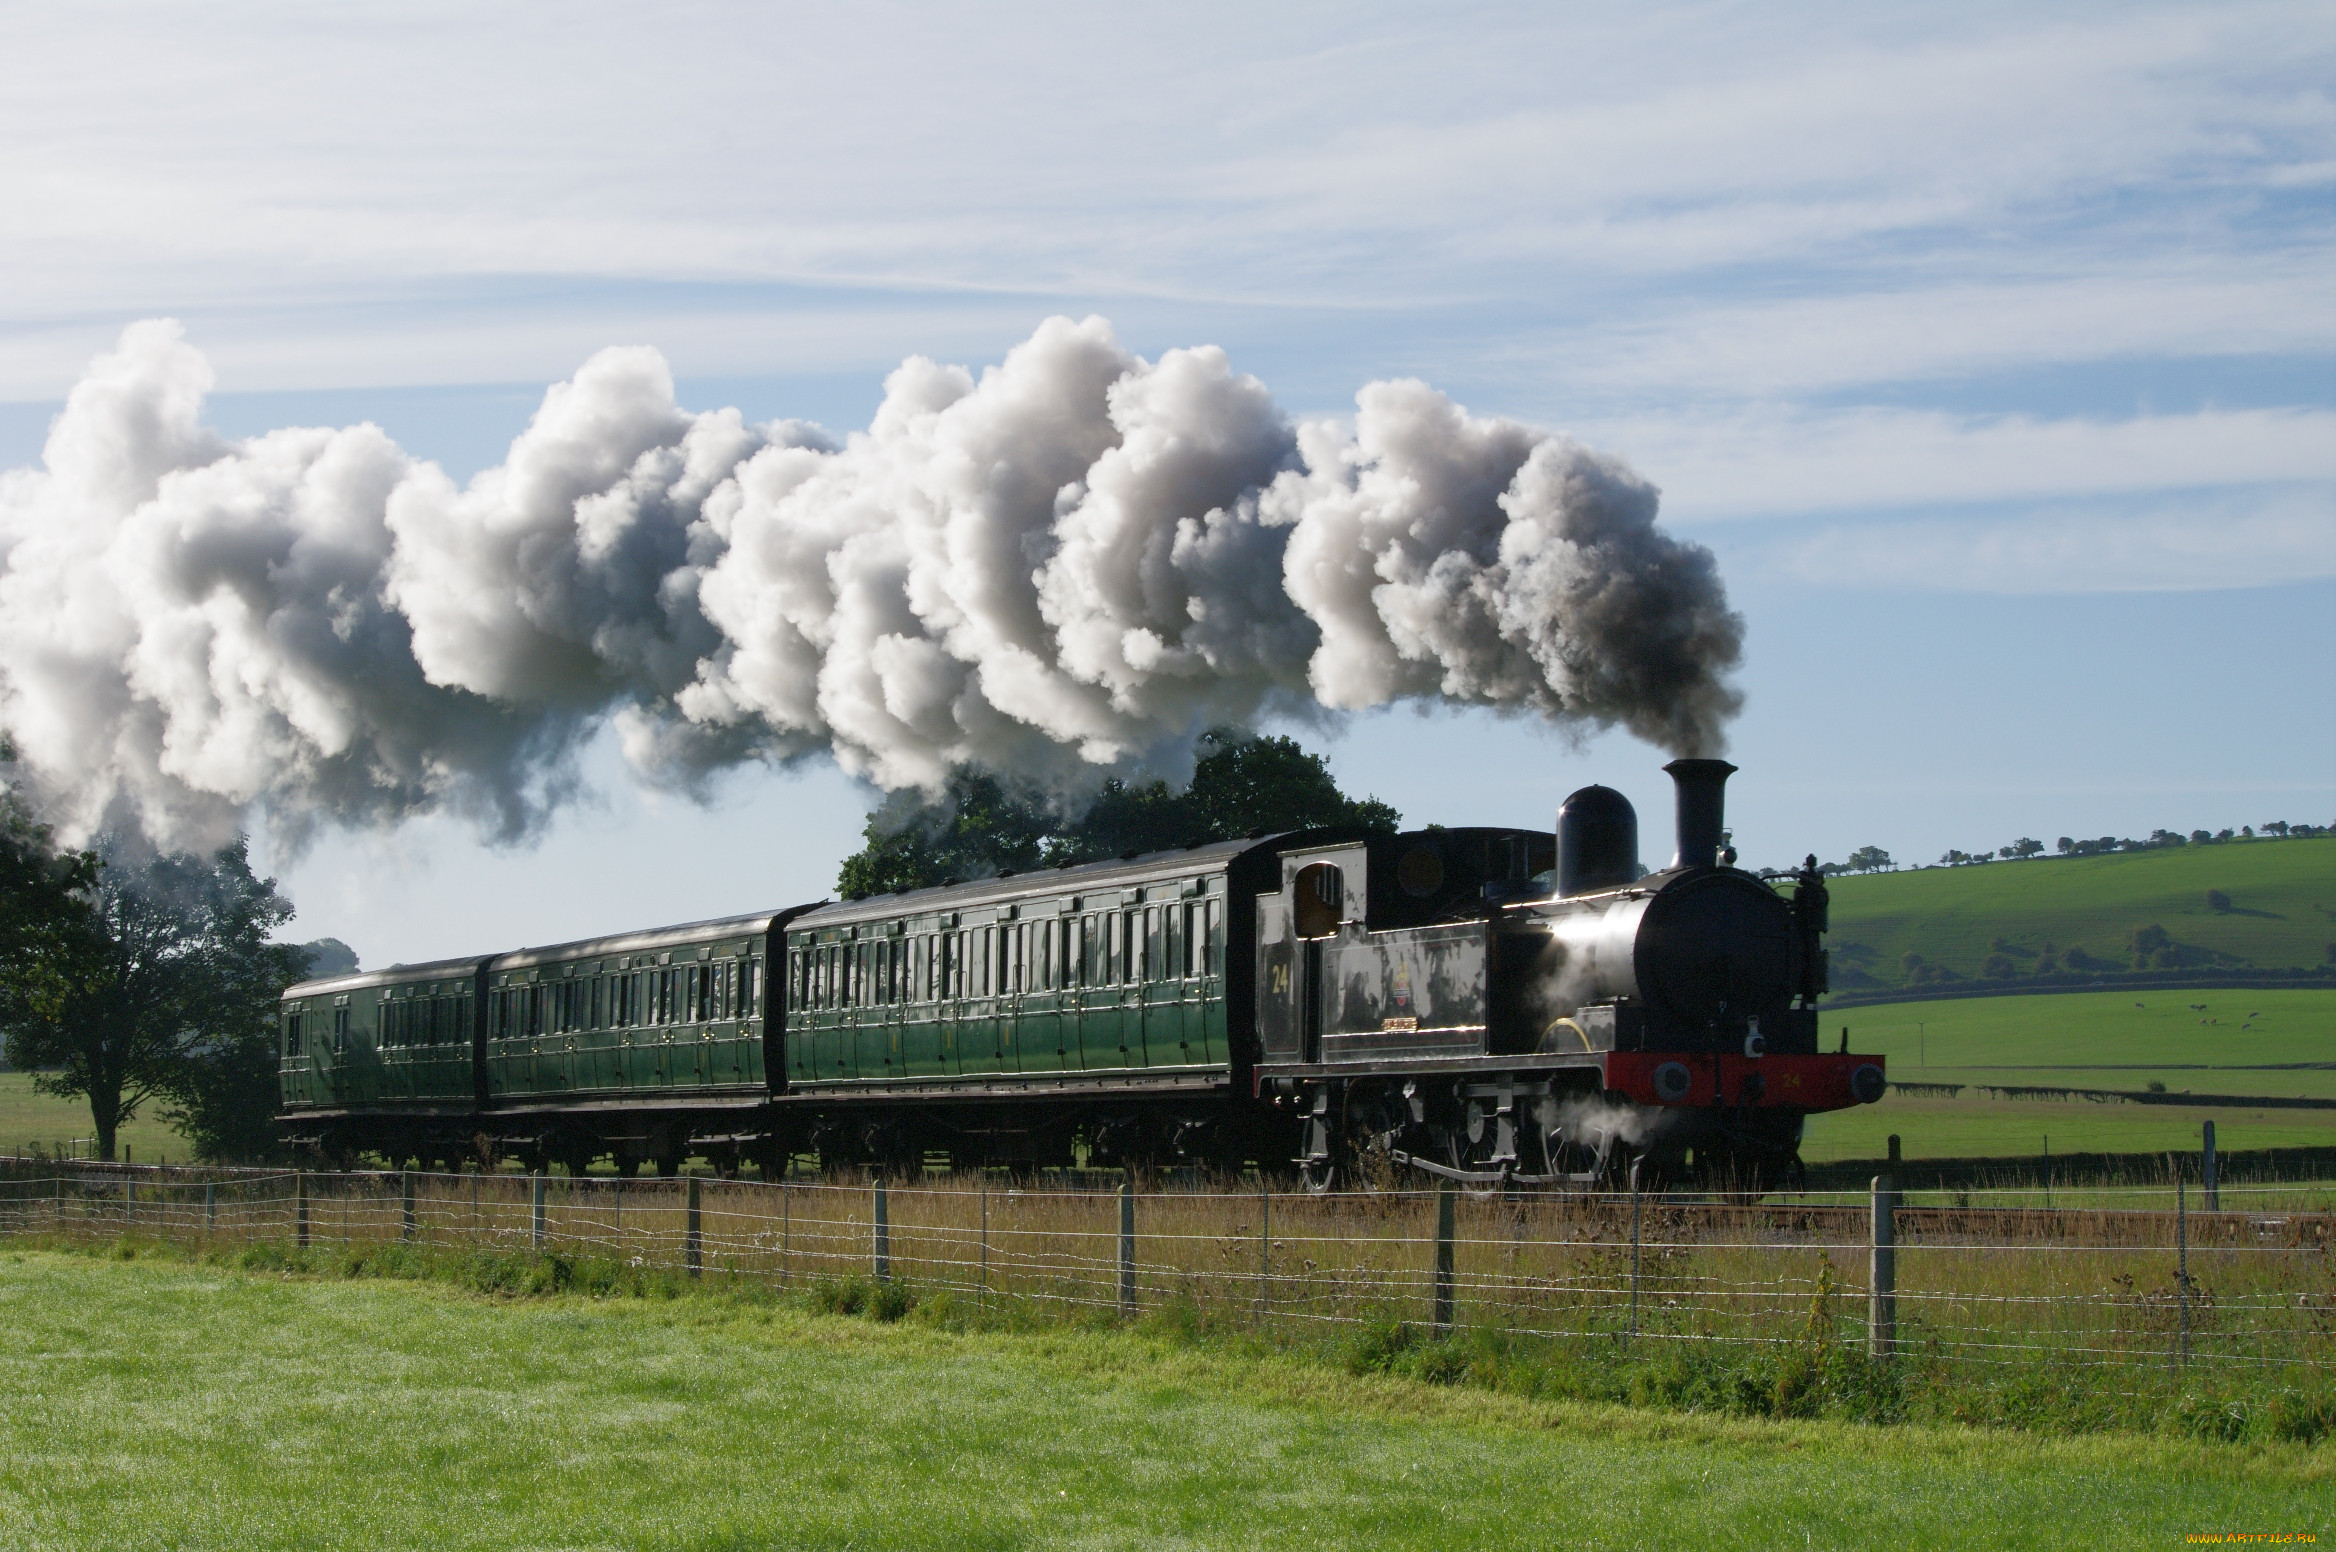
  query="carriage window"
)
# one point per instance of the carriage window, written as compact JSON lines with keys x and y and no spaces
{"x":1213,"y":944}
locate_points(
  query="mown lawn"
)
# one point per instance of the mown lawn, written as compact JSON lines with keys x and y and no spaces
{"x":28,"y":1117}
{"x":1975,"y":1127}
{"x":154,"y":1405}
{"x":2208,"y":1042}
{"x":2145,"y":1030}
{"x":2199,"y":1041}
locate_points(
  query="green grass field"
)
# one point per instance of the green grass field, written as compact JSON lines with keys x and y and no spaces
{"x":161,"y":1405}
{"x":28,"y":1117}
{"x":2092,"y":1040}
{"x":2283,"y":895}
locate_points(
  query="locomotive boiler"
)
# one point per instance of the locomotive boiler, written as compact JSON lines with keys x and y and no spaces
{"x":1496,"y":1006}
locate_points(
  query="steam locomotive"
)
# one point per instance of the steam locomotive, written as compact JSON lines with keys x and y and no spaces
{"x":1500,"y":1007}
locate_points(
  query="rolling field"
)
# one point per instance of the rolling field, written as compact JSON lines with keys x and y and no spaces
{"x":2283,"y":896}
{"x":2208,"y":1042}
{"x":29,"y":1117}
{"x":158,"y":1405}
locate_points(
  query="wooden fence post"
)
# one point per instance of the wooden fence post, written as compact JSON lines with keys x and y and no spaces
{"x":883,"y":1236}
{"x":695,"y":1243}
{"x":535,"y":1209}
{"x":1127,"y":1245}
{"x":1634,"y":1247}
{"x":300,"y":1208}
{"x":2207,"y":1171}
{"x":1264,"y":1244}
{"x":1882,"y":1295}
{"x":2182,"y":1265}
{"x":405,"y":1226}
{"x":210,"y":1205}
{"x":1444,"y":1233}
{"x":982,"y":1295}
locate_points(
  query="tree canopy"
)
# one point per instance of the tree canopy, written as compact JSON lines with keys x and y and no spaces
{"x":1242,"y":785}
{"x":167,"y":991}
{"x":45,"y":913}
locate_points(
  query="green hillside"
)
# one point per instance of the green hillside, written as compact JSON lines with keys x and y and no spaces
{"x":2281,"y":912}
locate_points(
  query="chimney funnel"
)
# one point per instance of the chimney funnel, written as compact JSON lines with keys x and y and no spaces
{"x":1702,"y":788}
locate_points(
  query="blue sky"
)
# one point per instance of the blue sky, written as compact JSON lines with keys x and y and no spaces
{"x":1993,"y":351}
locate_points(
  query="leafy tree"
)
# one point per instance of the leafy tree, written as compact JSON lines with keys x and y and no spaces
{"x":1869,"y":859}
{"x":978,"y":829}
{"x":1242,"y":785}
{"x":2026,"y":846}
{"x":169,"y":993}
{"x":2150,"y":943}
{"x":2217,"y":901}
{"x":1999,"y":966}
{"x":44,"y":913}
{"x":327,"y":956}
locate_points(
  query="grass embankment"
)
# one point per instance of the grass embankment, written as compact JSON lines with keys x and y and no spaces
{"x":2283,"y":908}
{"x":2206,"y":1042}
{"x":153,"y":1405}
{"x":29,"y":1118}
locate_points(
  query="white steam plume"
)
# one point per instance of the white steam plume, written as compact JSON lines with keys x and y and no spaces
{"x":1067,"y":566}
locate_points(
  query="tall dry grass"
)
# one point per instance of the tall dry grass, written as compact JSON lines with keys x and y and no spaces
{"x":2095,"y":1277}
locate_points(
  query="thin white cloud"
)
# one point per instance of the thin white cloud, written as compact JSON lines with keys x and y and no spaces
{"x":2217,"y":541}
{"x":2278,"y":304}
{"x":1781,"y":463}
{"x":233,"y":150}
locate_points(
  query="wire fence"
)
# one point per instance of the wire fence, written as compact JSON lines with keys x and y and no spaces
{"x":2125,"y":1276}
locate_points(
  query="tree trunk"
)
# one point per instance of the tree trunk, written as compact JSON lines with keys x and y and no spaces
{"x":105,"y":1111}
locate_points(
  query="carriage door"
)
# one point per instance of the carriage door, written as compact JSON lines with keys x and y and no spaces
{"x":1319,"y":896}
